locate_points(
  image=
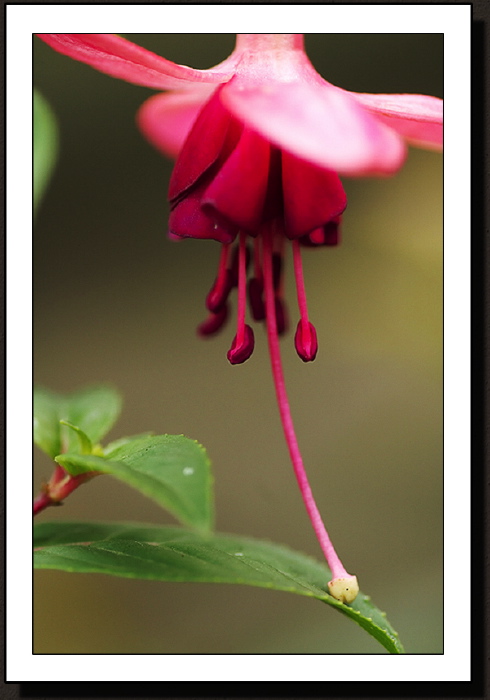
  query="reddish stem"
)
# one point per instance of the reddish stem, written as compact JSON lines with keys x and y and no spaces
{"x":59,"y":487}
{"x":41,"y":502}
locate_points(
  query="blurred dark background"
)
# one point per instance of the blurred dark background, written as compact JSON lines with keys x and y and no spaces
{"x":116,"y":302}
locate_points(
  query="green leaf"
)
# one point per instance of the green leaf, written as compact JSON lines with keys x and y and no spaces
{"x":93,"y":411}
{"x":76,"y":464}
{"x":175,"y":554}
{"x":47,"y":428}
{"x":83,"y":439}
{"x":45,"y":145}
{"x":171,"y":469}
{"x":124,"y":441}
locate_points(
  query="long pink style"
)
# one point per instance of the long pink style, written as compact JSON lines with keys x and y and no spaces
{"x":336,"y":566}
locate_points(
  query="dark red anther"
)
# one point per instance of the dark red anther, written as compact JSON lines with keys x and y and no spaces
{"x":332,"y":232}
{"x":329,"y":234}
{"x":317,"y":237}
{"x":281,"y":316}
{"x":256,"y":298}
{"x":214,"y":322}
{"x":241,"y":349}
{"x":305,"y":341}
{"x":219,"y":292}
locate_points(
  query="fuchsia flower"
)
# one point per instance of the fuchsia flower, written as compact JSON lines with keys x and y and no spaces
{"x":260,"y":142}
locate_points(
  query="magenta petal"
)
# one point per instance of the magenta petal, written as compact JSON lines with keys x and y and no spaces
{"x":318,"y":122}
{"x":418,"y":118}
{"x":187,"y":220}
{"x":121,"y":58}
{"x":237,"y":192}
{"x":167,"y":119}
{"x":312,"y":196}
{"x":202,"y":147}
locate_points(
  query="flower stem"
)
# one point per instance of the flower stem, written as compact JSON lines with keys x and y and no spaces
{"x":41,"y":502}
{"x":59,"y":487}
{"x":339,"y":574}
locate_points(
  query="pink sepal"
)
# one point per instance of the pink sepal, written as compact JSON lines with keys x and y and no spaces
{"x":166,"y":119}
{"x":120,"y":58}
{"x":418,"y":118}
{"x":319,"y":123}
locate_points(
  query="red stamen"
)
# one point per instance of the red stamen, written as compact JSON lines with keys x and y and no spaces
{"x":332,"y":232}
{"x":256,"y":286}
{"x":243,"y":343}
{"x":317,"y":237}
{"x":234,"y":267}
{"x":223,"y":284}
{"x":256,"y":298}
{"x":281,"y":315}
{"x":241,"y":349}
{"x":257,"y":263}
{"x":214,"y":322}
{"x":305,"y":339}
{"x":277,"y":269}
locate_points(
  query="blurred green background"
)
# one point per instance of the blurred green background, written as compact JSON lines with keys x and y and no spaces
{"x":116,"y":302}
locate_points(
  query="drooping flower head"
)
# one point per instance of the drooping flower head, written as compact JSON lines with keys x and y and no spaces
{"x":258,"y":157}
{"x":260,"y":142}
